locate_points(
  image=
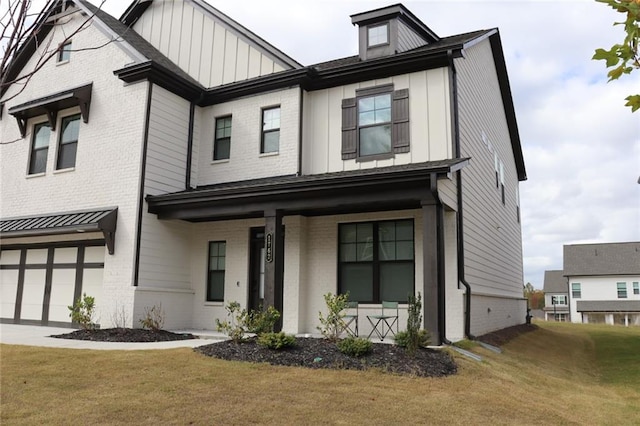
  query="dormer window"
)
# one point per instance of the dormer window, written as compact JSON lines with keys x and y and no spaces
{"x":378,"y":35}
{"x":65,"y":52}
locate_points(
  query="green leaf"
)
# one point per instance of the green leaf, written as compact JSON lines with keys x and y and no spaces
{"x":615,"y":73}
{"x":633,"y":101}
{"x":608,"y":55}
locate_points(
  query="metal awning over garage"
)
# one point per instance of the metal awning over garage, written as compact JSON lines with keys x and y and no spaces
{"x":103,"y":220}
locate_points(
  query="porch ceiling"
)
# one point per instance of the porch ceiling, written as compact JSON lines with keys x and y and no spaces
{"x":387,"y":188}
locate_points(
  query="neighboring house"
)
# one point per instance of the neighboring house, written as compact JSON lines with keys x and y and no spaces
{"x":556,"y":296}
{"x":603,"y":282}
{"x":189,"y":163}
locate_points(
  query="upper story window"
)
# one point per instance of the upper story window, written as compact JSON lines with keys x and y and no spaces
{"x":378,"y":35}
{"x":622,"y":290}
{"x":222,"y":143}
{"x":376,"y":260}
{"x":576,"y":291}
{"x":502,"y":181}
{"x":64,"y":54}
{"x":636,"y":288}
{"x":215,"y":278}
{"x":375,"y":124}
{"x":39,"y":148}
{"x":270,"y":130}
{"x":560,"y":299}
{"x":68,"y":146}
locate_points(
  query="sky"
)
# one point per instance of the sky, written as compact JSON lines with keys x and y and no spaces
{"x":581,"y":144}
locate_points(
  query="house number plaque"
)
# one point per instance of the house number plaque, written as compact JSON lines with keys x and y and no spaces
{"x":269,"y":247}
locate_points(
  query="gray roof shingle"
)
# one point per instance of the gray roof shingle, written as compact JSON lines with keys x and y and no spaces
{"x":608,"y":306}
{"x":555,"y":282}
{"x":602,"y":259}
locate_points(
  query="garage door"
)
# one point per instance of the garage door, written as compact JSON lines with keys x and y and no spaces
{"x":39,"y":282}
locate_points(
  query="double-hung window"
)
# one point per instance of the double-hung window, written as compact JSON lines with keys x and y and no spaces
{"x":222,"y":143}
{"x":636,"y":287}
{"x":576,"y":291}
{"x":622,"y":290}
{"x":64,"y":52}
{"x":375,"y":124}
{"x":559,"y":300}
{"x":39,"y":148}
{"x":68,"y":146}
{"x":215,"y":279}
{"x":270,"y":130}
{"x":376,"y":260}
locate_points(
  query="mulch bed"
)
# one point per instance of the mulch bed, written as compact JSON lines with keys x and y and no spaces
{"x":501,"y":337}
{"x":125,"y":335}
{"x":321,"y":353}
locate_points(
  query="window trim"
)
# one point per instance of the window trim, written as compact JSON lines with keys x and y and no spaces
{"x":216,"y":139}
{"x":556,"y":297}
{"x":576,"y":294}
{"x":375,"y":261}
{"x":209,"y":270}
{"x":622,"y":292}
{"x":33,"y":149}
{"x":636,"y":287}
{"x":263,"y":132}
{"x":64,"y":50}
{"x":60,"y":144}
{"x":377,"y":25}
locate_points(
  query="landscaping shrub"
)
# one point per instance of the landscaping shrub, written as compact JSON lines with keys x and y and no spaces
{"x":333,"y":325}
{"x":241,"y":321}
{"x":276,"y":340}
{"x":414,"y":337}
{"x":355,"y":346}
{"x":262,"y":321}
{"x":82,"y":312}
{"x":153,"y":318}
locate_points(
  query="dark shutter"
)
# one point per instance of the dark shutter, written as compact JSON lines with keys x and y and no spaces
{"x":349,"y":128}
{"x":401,"y":130}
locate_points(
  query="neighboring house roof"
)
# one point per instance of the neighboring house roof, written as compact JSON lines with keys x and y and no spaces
{"x":555,"y":282}
{"x":602,"y":259}
{"x":608,"y":306}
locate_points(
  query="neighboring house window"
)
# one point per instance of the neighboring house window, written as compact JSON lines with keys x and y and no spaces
{"x":68,"y":145}
{"x":375,"y":124}
{"x":502,"y":181}
{"x":517,"y":203}
{"x":576,"y":291}
{"x":622,"y":290}
{"x":39,"y":148}
{"x":376,"y":260}
{"x":496,"y":167}
{"x":215,"y":280}
{"x":636,"y":288}
{"x":64,"y":54}
{"x":559,"y":300}
{"x":222,"y":143}
{"x":270,"y":130}
{"x":378,"y":35}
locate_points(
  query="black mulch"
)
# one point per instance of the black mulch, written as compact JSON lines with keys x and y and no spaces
{"x":321,"y":353}
{"x":125,"y":335}
{"x":501,"y":337}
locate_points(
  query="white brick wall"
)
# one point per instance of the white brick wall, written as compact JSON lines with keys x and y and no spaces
{"x":490,"y":313}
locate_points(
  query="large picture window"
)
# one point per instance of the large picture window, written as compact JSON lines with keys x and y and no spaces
{"x":222,"y":143}
{"x":39,"y":148}
{"x":376,"y":260}
{"x":215,"y":280}
{"x":68,"y":146}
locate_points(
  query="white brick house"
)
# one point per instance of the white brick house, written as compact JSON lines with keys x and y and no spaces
{"x":208,"y":167}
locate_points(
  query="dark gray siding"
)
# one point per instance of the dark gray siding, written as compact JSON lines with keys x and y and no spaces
{"x":408,"y":39}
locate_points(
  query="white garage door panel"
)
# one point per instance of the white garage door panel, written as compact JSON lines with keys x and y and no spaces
{"x":63,"y":284}
{"x":8,"y":291}
{"x":65,"y":255}
{"x":37,"y":256}
{"x":94,"y":254}
{"x":10,"y":257}
{"x":33,"y":294}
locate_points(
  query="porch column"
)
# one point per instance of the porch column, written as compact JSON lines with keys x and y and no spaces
{"x":274,"y":261}
{"x":430,"y":270}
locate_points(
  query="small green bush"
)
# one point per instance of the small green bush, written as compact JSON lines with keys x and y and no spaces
{"x":153,"y":318}
{"x":82,"y":312}
{"x":279,"y":340}
{"x":414,"y":337}
{"x":419,"y":339}
{"x":333,"y":324}
{"x":262,"y":321}
{"x":235,"y":327}
{"x":355,"y":346}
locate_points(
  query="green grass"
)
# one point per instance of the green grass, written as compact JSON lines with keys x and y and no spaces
{"x":558,"y":374}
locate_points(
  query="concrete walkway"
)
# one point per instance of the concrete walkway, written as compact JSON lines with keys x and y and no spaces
{"x":14,"y":334}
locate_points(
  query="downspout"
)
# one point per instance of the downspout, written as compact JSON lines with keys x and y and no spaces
{"x":433,"y":186}
{"x":460,"y":238}
{"x":187,"y":183}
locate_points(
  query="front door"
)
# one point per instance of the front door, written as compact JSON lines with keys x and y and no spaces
{"x":256,"y":268}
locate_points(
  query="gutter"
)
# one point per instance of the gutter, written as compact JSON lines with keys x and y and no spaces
{"x":460,"y":240}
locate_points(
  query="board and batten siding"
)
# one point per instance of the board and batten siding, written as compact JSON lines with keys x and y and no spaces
{"x":164,"y":248}
{"x":204,"y":47}
{"x":429,"y":115}
{"x":493,"y":236}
